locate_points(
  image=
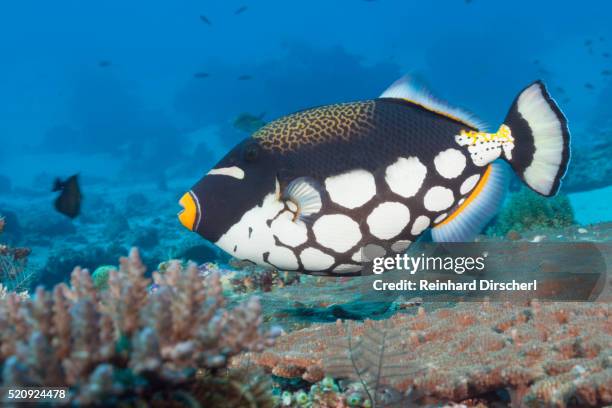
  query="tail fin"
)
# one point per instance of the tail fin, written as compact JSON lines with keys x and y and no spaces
{"x":541,"y":139}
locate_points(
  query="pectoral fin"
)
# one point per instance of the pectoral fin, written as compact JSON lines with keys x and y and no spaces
{"x":303,"y":198}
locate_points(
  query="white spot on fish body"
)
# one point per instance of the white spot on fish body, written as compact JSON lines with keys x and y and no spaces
{"x":438,"y":198}
{"x":388,"y":219}
{"x":283,"y":258}
{"x":234,"y":171}
{"x":420,"y":225}
{"x":316,"y":260}
{"x":482,"y":152}
{"x":347,"y":268}
{"x":440,"y":218}
{"x":252,"y":243}
{"x":469,"y":184}
{"x":400,"y":246}
{"x":352,"y":189}
{"x":287,"y":231}
{"x":450,"y":163}
{"x":336,"y":231}
{"x":405,"y":177}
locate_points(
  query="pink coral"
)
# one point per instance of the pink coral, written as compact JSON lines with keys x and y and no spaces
{"x":549,"y":354}
{"x":79,"y":338}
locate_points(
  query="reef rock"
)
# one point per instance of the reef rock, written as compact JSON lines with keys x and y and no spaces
{"x":552,"y":354}
{"x":590,"y":168}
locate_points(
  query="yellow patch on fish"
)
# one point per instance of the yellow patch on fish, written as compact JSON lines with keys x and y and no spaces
{"x":502,"y":135}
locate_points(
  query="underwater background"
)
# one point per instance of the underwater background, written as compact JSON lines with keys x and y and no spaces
{"x":140,"y":99}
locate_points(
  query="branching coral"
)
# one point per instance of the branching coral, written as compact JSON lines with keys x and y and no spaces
{"x":14,"y":274}
{"x":553,"y":354}
{"x":130,"y":344}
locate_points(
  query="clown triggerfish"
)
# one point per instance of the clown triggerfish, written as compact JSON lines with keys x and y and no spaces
{"x":310,"y":191}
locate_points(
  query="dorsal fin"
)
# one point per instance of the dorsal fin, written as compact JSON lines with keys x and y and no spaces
{"x":409,"y":89}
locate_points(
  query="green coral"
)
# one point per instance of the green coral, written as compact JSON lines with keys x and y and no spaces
{"x":354,"y":400}
{"x":302,"y":398}
{"x":100,"y":276}
{"x":527,"y":210}
{"x":325,"y":393}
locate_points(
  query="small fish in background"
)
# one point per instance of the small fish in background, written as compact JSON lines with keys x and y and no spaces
{"x":240,"y":10}
{"x":560,"y":90}
{"x":245,"y":77}
{"x":566,"y":100}
{"x":104,"y":64}
{"x":588,"y":43}
{"x":205,"y":20}
{"x":201,"y":75}
{"x":605,"y":55}
{"x":606,"y":72}
{"x":69,"y":200}
{"x":468,"y":1}
{"x":589,"y":86}
{"x":543,"y":71}
{"x":249,"y":123}
{"x":536,"y":61}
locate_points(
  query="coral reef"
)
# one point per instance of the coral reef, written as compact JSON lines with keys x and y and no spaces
{"x":52,"y":225}
{"x":136,"y":204}
{"x":12,"y":233}
{"x":527,"y":210}
{"x":100,"y":276}
{"x":63,"y":259}
{"x":4,"y":291}
{"x":326,"y":394}
{"x":117,"y":225}
{"x":129,"y":344}
{"x":545,"y":354}
{"x":14,"y":274}
{"x":252,"y":278}
{"x":146,"y":238}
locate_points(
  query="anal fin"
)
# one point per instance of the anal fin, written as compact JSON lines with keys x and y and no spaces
{"x":468,"y":220}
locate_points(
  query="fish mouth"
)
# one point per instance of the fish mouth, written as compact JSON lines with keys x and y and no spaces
{"x":190,"y":214}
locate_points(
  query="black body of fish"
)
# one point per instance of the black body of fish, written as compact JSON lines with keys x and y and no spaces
{"x":69,"y":200}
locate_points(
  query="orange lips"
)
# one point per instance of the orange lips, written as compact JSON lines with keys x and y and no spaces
{"x":189,"y":214}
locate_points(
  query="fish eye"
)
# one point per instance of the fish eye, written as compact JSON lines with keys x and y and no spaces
{"x":251,"y":153}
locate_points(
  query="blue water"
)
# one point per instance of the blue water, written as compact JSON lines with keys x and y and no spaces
{"x":108,"y":89}
{"x":56,"y":98}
